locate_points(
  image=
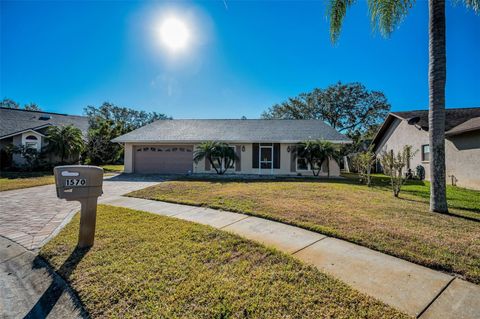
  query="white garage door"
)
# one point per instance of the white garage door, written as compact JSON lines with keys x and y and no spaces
{"x":163,"y":159}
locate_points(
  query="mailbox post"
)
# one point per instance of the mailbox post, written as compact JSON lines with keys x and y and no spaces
{"x":84,"y":184}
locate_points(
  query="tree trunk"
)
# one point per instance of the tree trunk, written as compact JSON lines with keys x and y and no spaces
{"x":436,"y":116}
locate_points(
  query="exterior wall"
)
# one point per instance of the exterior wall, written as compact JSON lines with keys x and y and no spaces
{"x":128,"y":158}
{"x":245,"y":163}
{"x":285,"y":161}
{"x":401,"y":133}
{"x":463,"y":159}
{"x":17,"y":159}
{"x":462,"y":152}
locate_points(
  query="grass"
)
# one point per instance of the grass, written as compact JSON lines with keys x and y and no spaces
{"x":149,"y":266}
{"x":371,"y":217}
{"x":113,"y":168}
{"x":18,"y":180}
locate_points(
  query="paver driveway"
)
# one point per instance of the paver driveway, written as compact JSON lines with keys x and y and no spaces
{"x":31,"y":216}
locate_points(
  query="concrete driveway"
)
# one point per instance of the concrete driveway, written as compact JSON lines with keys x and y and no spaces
{"x":31,"y":216}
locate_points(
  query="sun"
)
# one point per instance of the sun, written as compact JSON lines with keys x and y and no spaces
{"x":174,"y":34}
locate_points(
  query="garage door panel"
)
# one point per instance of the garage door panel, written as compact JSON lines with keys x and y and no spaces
{"x":163,"y":159}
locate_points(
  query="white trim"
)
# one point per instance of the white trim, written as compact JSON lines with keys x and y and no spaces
{"x":260,"y":146}
{"x":37,"y":142}
{"x":27,"y":130}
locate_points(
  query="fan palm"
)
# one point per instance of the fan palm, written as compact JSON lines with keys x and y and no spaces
{"x":65,"y":141}
{"x":386,"y":15}
{"x":220,"y":155}
{"x":328,"y":152}
{"x":310,"y":151}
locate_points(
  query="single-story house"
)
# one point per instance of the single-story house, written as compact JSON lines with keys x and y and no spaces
{"x":28,"y":128}
{"x":462,"y":142}
{"x":262,"y":146}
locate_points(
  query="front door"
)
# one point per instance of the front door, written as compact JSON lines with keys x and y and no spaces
{"x":266,"y":159}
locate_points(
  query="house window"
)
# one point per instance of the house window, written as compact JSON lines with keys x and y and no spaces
{"x":425,"y":153}
{"x":32,"y":145}
{"x":302,"y":164}
{"x":31,"y":141}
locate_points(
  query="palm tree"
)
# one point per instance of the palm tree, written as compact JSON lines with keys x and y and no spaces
{"x":310,"y":151}
{"x":221,"y":156}
{"x":328,"y":152}
{"x":65,"y":141}
{"x":386,"y":15}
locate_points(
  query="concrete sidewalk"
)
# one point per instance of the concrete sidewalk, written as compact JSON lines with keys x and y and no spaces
{"x":29,"y":289}
{"x":416,"y":290}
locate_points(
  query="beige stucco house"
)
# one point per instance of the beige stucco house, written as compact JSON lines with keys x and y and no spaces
{"x":262,"y":146}
{"x":462,"y":142}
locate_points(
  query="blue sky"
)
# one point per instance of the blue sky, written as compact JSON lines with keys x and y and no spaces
{"x":241,"y":60}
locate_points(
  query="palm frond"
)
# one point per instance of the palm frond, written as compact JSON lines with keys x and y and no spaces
{"x":473,"y":4}
{"x":386,"y":15}
{"x":336,"y":11}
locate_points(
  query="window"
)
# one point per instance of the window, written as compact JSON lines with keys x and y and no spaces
{"x":425,"y":153}
{"x":32,"y":145}
{"x":31,"y":138}
{"x":302,"y":164}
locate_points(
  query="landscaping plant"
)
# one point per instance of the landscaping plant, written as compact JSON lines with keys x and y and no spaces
{"x":316,"y":153}
{"x":394,"y":165}
{"x":363,"y":163}
{"x":221,"y":156}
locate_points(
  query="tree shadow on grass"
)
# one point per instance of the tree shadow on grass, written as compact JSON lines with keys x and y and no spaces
{"x":59,"y":285}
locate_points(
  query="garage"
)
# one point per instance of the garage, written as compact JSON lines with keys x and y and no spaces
{"x":163,"y":159}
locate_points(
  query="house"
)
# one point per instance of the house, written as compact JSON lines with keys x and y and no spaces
{"x":28,"y":128}
{"x":462,"y":142}
{"x":262,"y":146}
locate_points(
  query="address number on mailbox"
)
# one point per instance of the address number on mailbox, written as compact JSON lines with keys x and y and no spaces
{"x":75,"y":182}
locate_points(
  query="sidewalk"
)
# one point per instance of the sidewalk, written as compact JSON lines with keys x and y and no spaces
{"x":416,"y":290}
{"x":29,"y":289}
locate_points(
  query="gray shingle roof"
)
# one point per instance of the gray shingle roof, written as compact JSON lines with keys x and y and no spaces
{"x":233,"y":131}
{"x":468,"y":126}
{"x":14,"y":120}
{"x":453,"y":117}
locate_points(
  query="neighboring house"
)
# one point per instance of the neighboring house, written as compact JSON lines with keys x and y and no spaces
{"x":462,"y":142}
{"x":262,"y":146}
{"x":28,"y":128}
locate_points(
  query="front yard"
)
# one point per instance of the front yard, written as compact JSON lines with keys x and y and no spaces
{"x":149,"y":266}
{"x":372,"y":217}
{"x":18,"y":180}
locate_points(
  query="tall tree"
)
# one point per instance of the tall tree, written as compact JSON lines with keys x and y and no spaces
{"x":109,"y":121}
{"x":9,"y":103}
{"x":350,"y":108}
{"x":65,"y":141}
{"x":386,"y":15}
{"x":32,"y":107}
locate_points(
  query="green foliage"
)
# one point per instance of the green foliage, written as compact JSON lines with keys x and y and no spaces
{"x":221,"y":156}
{"x":349,"y":108}
{"x":11,"y":104}
{"x":386,"y":15}
{"x":32,"y":107}
{"x":31,"y":156}
{"x":363,"y":162}
{"x":109,"y":121}
{"x":316,"y":153}
{"x":394,"y":165}
{"x":66,"y":142}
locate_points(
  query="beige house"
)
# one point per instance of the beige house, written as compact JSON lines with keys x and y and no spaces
{"x":462,"y":142}
{"x":263,"y":146}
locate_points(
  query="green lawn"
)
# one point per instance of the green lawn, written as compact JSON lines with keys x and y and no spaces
{"x":149,"y":266}
{"x":18,"y":180}
{"x":371,"y":217}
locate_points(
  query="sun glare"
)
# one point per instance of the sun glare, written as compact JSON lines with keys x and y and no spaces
{"x":174,"y":34}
